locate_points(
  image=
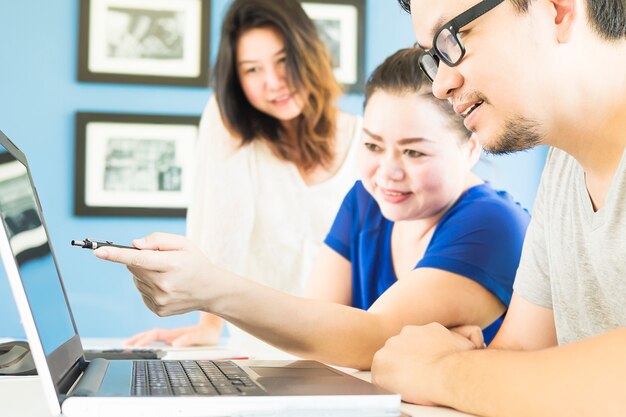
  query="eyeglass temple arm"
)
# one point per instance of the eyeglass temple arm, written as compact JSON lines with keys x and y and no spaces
{"x":473,"y":13}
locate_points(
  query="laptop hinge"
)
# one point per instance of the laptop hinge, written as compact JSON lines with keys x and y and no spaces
{"x":70,"y":377}
{"x":92,"y":378}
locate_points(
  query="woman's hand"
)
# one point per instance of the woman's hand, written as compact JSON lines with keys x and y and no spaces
{"x":198,"y":335}
{"x":171,"y":273}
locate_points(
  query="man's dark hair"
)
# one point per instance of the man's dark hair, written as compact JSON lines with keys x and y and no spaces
{"x":607,"y":17}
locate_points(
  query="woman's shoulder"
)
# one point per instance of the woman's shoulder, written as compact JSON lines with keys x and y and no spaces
{"x":359,"y":192}
{"x":484,"y":214}
{"x":348,"y":125}
{"x":213,"y":132}
{"x":211,"y":112}
{"x":347,"y":138}
{"x":365,"y":206}
{"x":485,"y":194}
{"x":359,"y":212}
{"x":358,"y":197}
{"x":487,"y":205}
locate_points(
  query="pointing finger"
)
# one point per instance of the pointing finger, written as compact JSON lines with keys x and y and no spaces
{"x":143,"y":259}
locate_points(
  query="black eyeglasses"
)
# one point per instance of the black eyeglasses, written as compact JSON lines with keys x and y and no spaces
{"x":447,"y":45}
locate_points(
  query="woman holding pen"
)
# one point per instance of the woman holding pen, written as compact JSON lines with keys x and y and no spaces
{"x":272,"y":143}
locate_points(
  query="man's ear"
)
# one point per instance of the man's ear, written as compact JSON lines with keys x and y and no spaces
{"x":565,"y":14}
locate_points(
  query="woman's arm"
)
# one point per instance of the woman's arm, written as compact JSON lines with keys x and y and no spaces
{"x":331,"y":278}
{"x":174,"y":277}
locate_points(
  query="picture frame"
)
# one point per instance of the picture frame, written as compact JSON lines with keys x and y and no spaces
{"x":341,"y":25}
{"x":162,"y":42}
{"x":133,"y":164}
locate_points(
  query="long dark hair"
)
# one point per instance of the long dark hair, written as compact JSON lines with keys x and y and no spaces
{"x":400,"y":73}
{"x":308,"y":70}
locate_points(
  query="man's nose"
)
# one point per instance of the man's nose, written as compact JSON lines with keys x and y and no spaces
{"x":446,"y":81}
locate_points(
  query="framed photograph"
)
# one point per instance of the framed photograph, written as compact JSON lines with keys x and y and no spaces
{"x":341,"y":25}
{"x":144,"y":41}
{"x":133,"y":164}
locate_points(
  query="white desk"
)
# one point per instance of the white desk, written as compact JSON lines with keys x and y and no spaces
{"x":23,"y":396}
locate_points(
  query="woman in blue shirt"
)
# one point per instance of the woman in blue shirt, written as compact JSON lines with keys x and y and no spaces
{"x":419,"y":239}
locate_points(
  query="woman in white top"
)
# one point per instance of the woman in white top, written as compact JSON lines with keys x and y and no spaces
{"x":272,"y":143}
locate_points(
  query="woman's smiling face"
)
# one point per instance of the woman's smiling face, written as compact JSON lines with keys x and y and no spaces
{"x":412,"y":160}
{"x":262,"y":71}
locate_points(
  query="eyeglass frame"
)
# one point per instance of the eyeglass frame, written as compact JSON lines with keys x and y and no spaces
{"x":454,"y":25}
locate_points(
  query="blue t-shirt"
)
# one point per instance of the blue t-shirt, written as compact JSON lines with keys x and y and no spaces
{"x":479,"y":237}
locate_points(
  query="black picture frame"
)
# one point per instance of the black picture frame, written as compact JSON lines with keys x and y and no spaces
{"x":140,"y":43}
{"x":136,"y":165}
{"x":341,"y":25}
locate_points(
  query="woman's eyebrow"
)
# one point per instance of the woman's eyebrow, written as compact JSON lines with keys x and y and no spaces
{"x":405,"y":141}
{"x":373,"y":135}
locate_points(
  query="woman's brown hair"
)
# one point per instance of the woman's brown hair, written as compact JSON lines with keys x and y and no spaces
{"x":309,"y":72}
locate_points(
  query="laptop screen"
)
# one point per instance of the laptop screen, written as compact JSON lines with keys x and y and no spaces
{"x":29,"y":243}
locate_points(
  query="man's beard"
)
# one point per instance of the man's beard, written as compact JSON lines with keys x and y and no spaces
{"x":519,"y":134}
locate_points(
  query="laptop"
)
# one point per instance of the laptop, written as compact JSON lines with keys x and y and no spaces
{"x":74,"y":386}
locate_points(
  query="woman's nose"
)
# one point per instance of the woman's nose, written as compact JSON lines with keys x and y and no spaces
{"x":273,"y":79}
{"x":392,"y":170}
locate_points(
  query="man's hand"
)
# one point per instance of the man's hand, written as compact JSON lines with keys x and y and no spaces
{"x":172,"y":274}
{"x":415,"y":362}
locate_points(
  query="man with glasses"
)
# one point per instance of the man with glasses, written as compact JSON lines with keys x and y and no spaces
{"x":523,"y":73}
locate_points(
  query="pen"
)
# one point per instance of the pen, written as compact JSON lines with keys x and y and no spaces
{"x":94,"y":244}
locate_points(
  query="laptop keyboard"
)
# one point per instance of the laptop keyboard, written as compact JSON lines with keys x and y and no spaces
{"x":167,"y":378}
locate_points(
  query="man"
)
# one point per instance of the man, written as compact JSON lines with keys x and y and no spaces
{"x":522,"y":73}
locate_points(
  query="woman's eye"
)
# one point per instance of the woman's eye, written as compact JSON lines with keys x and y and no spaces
{"x":250,"y":70}
{"x":372,"y":147}
{"x":412,"y":153}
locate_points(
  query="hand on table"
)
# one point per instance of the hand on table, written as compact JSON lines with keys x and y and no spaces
{"x":198,"y":335}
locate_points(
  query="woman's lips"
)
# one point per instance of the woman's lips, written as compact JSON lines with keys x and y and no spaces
{"x":393,"y":196}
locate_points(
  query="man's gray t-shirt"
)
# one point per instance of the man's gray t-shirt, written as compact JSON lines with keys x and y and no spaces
{"x":574,"y":259}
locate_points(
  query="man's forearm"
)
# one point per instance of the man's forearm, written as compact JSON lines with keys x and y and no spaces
{"x":328,"y":332}
{"x":581,"y":379}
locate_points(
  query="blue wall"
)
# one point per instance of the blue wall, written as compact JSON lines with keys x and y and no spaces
{"x":39,"y":97}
